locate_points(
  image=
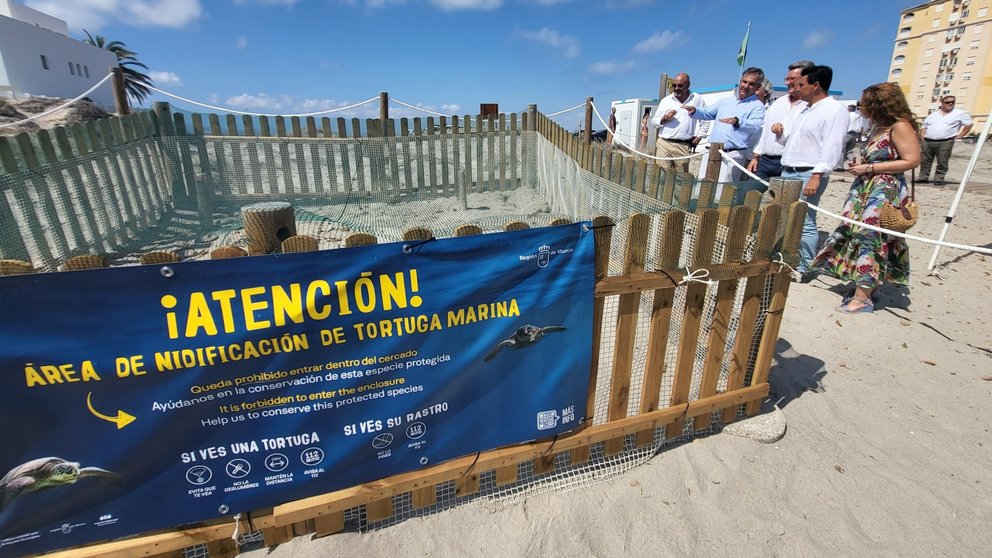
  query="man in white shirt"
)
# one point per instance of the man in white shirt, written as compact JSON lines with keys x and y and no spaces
{"x":856,"y":126}
{"x":766,"y":161}
{"x":813,"y":148}
{"x":676,"y":129}
{"x":940,"y":129}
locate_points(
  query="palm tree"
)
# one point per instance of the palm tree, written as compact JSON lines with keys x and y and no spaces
{"x":135,"y":83}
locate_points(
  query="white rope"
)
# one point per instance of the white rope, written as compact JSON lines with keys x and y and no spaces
{"x":727,"y":157}
{"x":616,"y":138}
{"x":233,"y":111}
{"x":566,"y":110}
{"x":780,"y":260}
{"x":60,"y":107}
{"x":399,"y":102}
{"x":237,"y":527}
{"x":698,"y":276}
{"x":818,"y":209}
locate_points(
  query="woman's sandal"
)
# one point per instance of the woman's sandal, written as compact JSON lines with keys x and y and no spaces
{"x":867,"y":308}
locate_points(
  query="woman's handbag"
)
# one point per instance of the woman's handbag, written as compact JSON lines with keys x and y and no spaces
{"x":901,"y":219}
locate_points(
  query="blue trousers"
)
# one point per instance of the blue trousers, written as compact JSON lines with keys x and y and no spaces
{"x":811,"y":235}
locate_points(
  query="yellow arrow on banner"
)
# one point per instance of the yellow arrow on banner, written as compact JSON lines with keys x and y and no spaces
{"x":122,"y":419}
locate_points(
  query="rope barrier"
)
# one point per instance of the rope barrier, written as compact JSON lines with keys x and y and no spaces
{"x":849,"y":221}
{"x":566,"y":110}
{"x":617,"y":139}
{"x":60,"y":107}
{"x":233,"y":111}
{"x":399,"y":102}
{"x":697,"y":276}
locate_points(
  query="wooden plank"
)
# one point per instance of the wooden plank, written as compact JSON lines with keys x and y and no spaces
{"x":288,"y":174}
{"x":780,"y":290}
{"x":112,"y":236}
{"x":97,"y":240}
{"x":640,"y":180}
{"x":431,"y":154}
{"x":750,"y":306}
{"x":640,"y":282}
{"x":467,"y":484}
{"x":406,"y":186}
{"x":186,"y":160}
{"x":683,"y":189}
{"x":379,"y":510}
{"x":356,"y":134}
{"x":423,"y":497}
{"x":726,"y":202}
{"x":739,"y":228}
{"x":301,"y":166}
{"x":508,"y":474}
{"x":265,"y":130}
{"x":668,"y":187}
{"x":314,"y":164}
{"x":202,"y":188}
{"x":456,"y":157}
{"x":669,"y":250}
{"x":492,"y":136}
{"x":514,"y":157}
{"x":470,"y":139}
{"x":222,"y":548}
{"x":174,"y":554}
{"x":545,"y":464}
{"x":481,"y":137}
{"x":345,"y":162}
{"x":638,"y":228}
{"x":328,"y":524}
{"x":449,"y":185}
{"x":373,"y":150}
{"x":13,"y":246}
{"x":501,"y":157}
{"x":61,"y":192}
{"x":39,"y":184}
{"x":220,"y":158}
{"x":602,"y":228}
{"x":254,"y":161}
{"x":331,"y":185}
{"x":652,"y":187}
{"x":694,"y":300}
{"x":273,"y":536}
{"x":143,"y":167}
{"x":391,"y":153}
{"x":418,"y":138}
{"x":705,"y":200}
{"x":628,"y":174}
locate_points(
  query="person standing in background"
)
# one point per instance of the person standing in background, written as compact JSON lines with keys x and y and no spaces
{"x":676,"y":129}
{"x":612,"y":125}
{"x":940,"y":129}
{"x":644,"y":130}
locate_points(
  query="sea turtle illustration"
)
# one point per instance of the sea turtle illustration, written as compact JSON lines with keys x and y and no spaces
{"x":44,"y":473}
{"x":522,"y":337}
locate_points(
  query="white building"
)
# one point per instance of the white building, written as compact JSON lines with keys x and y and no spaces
{"x":38,"y":57}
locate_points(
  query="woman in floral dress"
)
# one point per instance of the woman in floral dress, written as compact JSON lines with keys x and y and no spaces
{"x":867,"y":257}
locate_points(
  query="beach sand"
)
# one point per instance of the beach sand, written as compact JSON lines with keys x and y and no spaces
{"x":887,"y":450}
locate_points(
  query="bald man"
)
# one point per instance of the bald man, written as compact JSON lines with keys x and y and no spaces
{"x":676,"y":128}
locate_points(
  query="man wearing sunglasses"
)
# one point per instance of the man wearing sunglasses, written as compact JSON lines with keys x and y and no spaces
{"x":940,"y":129}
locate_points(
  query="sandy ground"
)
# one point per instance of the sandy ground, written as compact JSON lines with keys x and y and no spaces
{"x":887,"y":449}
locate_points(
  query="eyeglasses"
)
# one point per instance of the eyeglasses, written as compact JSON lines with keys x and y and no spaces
{"x":948,"y":102}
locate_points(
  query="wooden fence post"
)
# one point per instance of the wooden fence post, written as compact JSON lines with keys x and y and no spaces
{"x":383,"y":106}
{"x":587,"y":137}
{"x":714,"y":162}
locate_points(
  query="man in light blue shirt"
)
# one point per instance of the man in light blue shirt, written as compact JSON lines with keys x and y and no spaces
{"x":738,"y":122}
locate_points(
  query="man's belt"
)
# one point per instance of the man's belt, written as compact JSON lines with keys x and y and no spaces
{"x":796,"y":169}
{"x":685,"y":141}
{"x":938,"y":140}
{"x":729,"y":149}
{"x":772,"y":157}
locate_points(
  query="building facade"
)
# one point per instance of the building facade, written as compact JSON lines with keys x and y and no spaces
{"x":38,"y":57}
{"x":943,"y":48}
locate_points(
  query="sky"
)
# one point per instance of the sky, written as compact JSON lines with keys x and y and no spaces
{"x":448,"y":56}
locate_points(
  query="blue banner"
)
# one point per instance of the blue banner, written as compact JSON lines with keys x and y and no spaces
{"x":137,"y":398}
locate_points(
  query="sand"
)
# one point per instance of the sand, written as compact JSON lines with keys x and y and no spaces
{"x":887,"y":450}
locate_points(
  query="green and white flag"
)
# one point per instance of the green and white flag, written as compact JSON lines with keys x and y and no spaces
{"x":742,"y":53}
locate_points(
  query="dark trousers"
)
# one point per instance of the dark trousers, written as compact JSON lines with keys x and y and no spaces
{"x":767,"y":168}
{"x":941,"y":150}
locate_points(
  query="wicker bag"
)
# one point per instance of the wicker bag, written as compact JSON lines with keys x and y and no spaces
{"x":901,"y":219}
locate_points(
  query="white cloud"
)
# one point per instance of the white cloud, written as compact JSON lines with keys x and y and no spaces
{"x":568,"y":45}
{"x":261,"y":102}
{"x":287,"y":3}
{"x":241,"y":43}
{"x":455,"y":5}
{"x":661,"y":41}
{"x":287,"y":104}
{"x":816,"y":39}
{"x":450,"y":109}
{"x":609,"y":67}
{"x":93,"y":15}
{"x":165,"y":78}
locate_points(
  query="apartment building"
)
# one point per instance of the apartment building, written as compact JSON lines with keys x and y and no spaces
{"x":38,"y":57}
{"x":943,"y":48}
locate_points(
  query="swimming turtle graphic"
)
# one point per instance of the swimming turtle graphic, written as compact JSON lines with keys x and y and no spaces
{"x":522,"y":337}
{"x":44,"y":473}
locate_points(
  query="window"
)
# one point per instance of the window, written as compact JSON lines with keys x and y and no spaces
{"x":907,"y":18}
{"x":79,"y":70}
{"x":925,"y":68}
{"x":901,"y":45}
{"x":974,"y":45}
{"x":970,"y":61}
{"x":931,"y":38}
{"x":935,"y":23}
{"x":72,"y":69}
{"x":896,"y":72}
{"x":977,"y":30}
{"x":982,"y":12}
{"x":939,"y":8}
{"x":904,"y":32}
{"x":44,"y":61}
{"x":86,"y":70}
{"x":966,"y":76}
{"x":899,"y":59}
{"x":928,"y":52}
